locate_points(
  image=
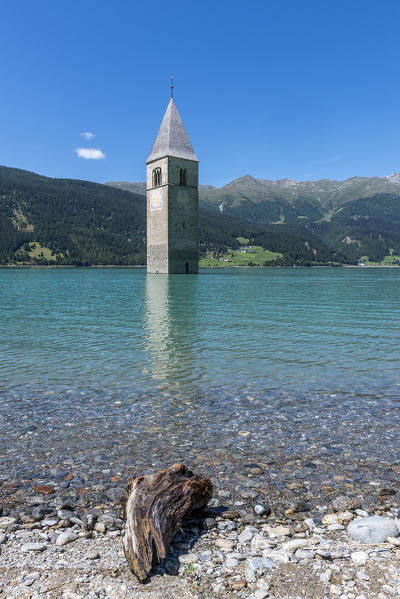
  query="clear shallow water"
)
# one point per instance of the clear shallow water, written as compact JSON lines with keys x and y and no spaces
{"x":113,"y":373}
{"x":262,"y":331}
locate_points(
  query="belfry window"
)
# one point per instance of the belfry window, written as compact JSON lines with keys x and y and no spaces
{"x":182,"y":177}
{"x":157,"y":179}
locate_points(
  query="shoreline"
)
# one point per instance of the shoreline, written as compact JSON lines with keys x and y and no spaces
{"x":251,"y":548}
{"x":200,"y":267}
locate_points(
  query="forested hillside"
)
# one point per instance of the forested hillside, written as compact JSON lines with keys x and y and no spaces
{"x":44,"y":220}
{"x":308,"y":221}
{"x":63,"y":221}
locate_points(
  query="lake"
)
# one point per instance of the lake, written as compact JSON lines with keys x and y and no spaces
{"x":111,"y":366}
{"x":236,"y":331}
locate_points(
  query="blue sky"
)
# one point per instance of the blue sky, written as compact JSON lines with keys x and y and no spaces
{"x":299,"y":89}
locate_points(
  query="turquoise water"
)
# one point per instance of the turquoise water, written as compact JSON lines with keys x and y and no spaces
{"x":240,"y":331}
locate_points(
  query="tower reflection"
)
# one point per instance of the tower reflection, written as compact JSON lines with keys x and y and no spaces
{"x":172,"y":331}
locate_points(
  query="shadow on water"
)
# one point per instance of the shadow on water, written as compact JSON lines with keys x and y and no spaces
{"x":172,"y":333}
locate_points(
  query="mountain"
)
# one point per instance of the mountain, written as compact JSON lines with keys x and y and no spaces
{"x":63,"y":221}
{"x":44,"y":220}
{"x":354,"y":218}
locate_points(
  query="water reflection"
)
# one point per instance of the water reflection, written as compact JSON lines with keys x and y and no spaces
{"x":172,"y":331}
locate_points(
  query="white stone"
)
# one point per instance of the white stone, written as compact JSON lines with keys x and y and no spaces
{"x":393,"y":541}
{"x":66,"y":537}
{"x":188,"y":558}
{"x":345,"y":517}
{"x":260,"y":542}
{"x":247,"y":534}
{"x":294,"y":544}
{"x":6,"y":521}
{"x":33,"y":547}
{"x":224,"y":544}
{"x":359,"y":558}
{"x":277,"y":556}
{"x":330,"y":519}
{"x":374,"y":529}
{"x":279,"y":531}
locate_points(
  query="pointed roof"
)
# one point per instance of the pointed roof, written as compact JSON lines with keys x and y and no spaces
{"x":172,"y":139}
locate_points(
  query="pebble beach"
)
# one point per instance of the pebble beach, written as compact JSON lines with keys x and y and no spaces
{"x":290,"y":407}
{"x":276,"y":525}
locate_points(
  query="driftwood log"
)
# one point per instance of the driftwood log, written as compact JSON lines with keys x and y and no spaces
{"x":155,"y":509}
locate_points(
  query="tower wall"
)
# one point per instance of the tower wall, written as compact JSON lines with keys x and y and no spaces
{"x":157,"y":219}
{"x":172,"y":217}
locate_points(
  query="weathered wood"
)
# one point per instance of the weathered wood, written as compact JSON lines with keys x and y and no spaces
{"x":155,"y":509}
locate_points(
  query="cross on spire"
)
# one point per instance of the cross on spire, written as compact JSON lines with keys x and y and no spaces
{"x":172,"y":85}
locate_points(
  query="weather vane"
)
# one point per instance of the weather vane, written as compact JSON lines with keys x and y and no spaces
{"x":172,"y":85}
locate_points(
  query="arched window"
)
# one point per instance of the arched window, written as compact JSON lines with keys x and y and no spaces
{"x":182,"y":176}
{"x":157,"y":179}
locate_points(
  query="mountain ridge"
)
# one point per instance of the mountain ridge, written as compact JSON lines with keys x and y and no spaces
{"x":75,"y":222}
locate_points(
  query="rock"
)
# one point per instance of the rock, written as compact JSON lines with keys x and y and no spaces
{"x":209,"y":523}
{"x":238,"y":585}
{"x":260,"y":594}
{"x":93,"y":554}
{"x":312,"y":523}
{"x":188,"y":558}
{"x":374,"y":529}
{"x":359,"y":558}
{"x":223,"y":493}
{"x":304,"y":554}
{"x":41,"y":510}
{"x":335,"y":527}
{"x":230,"y":514}
{"x":260,"y":542}
{"x":44,"y":489}
{"x":346,"y":502}
{"x":330,"y":519}
{"x":7,"y":521}
{"x":66,"y":537}
{"x":258,"y":564}
{"x":250,"y":575}
{"x":323,"y":553}
{"x":276,"y":556}
{"x":386,"y":492}
{"x":345,"y":517}
{"x":294,"y":544}
{"x":100,"y":527}
{"x":26,"y":547}
{"x":279,"y":531}
{"x":3,"y":538}
{"x":261,"y":509}
{"x":247,"y":534}
{"x":31,"y":577}
{"x":301,"y":506}
{"x":224,"y":544}
{"x":115,"y":494}
{"x":231,"y":562}
{"x":362,"y":513}
{"x":65,"y":514}
{"x":49,"y":522}
{"x":68,"y":594}
{"x":392,"y":540}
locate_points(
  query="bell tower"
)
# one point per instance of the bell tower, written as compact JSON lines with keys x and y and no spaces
{"x":172,"y":199}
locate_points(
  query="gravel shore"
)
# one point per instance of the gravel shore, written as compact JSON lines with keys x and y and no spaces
{"x":249,"y":548}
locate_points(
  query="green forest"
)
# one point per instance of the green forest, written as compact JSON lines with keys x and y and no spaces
{"x":49,"y":221}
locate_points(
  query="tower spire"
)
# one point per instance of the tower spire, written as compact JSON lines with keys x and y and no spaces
{"x":172,"y":85}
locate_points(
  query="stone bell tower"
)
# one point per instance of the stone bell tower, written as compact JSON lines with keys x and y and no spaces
{"x":172,"y":199}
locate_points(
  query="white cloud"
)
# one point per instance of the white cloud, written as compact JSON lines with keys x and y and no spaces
{"x":90,"y":153}
{"x":87,"y":135}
